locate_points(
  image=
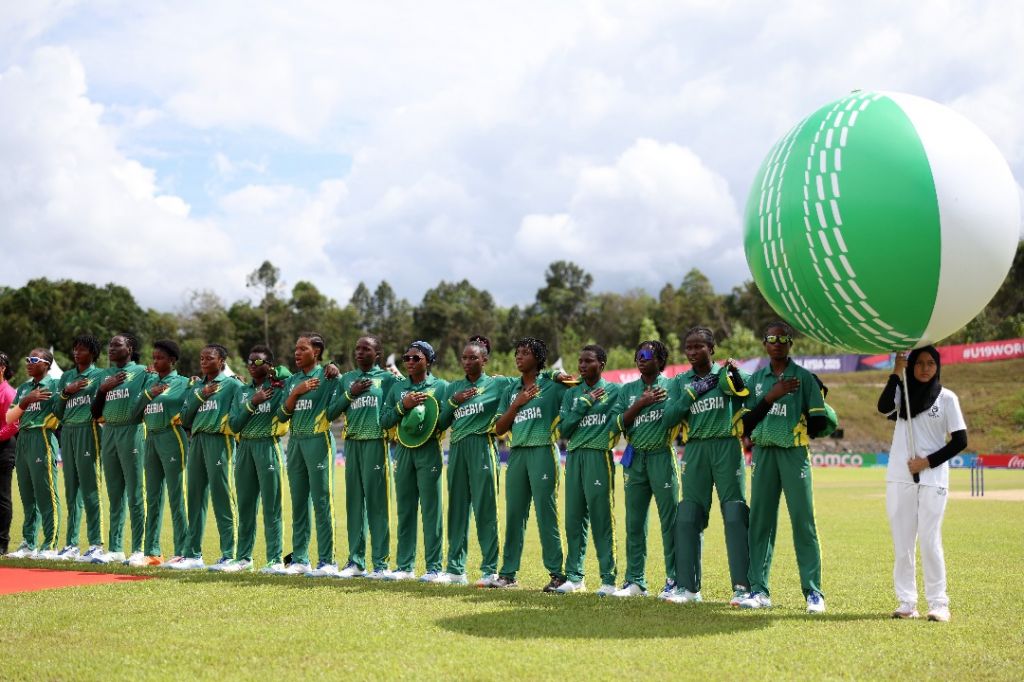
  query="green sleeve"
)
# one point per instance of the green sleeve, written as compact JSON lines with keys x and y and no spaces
{"x":391,"y":412}
{"x":569,"y":418}
{"x":811,"y":395}
{"x":340,"y":400}
{"x":446,"y":413}
{"x":193,"y":399}
{"x":283,"y":415}
{"x":674,"y":405}
{"x":241,"y":411}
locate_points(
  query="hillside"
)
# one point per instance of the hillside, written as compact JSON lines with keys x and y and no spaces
{"x":991,"y":396}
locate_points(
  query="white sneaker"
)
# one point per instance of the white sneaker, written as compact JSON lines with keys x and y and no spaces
{"x":69,"y":553}
{"x":379,"y":574}
{"x":569,"y":587}
{"x":668,"y":590}
{"x":276,"y":568}
{"x":172,"y":562}
{"x":236,"y":566}
{"x":47,"y":555}
{"x":906,"y":609}
{"x":187,"y":564}
{"x":605,"y":591}
{"x":757,"y":600}
{"x":223,"y":565}
{"x":109,"y":558}
{"x":402,"y":575}
{"x":452,"y":579}
{"x":351,"y":570}
{"x":815,"y":603}
{"x":431,"y":577}
{"x":486,"y":580}
{"x":298,"y":569}
{"x":90,"y":554}
{"x":23,"y":552}
{"x":324,"y":570}
{"x":136,"y":560}
{"x":630,"y":590}
{"x":940,"y":614}
{"x":738,"y":595}
{"x":683,"y":596}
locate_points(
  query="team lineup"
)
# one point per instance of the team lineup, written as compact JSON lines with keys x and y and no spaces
{"x":146,"y":434}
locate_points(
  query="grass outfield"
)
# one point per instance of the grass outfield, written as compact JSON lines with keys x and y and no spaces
{"x":239,"y":626}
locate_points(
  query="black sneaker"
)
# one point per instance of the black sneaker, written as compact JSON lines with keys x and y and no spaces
{"x":504,"y":582}
{"x":556,"y":582}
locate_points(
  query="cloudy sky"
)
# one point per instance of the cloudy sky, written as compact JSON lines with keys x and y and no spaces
{"x":172,"y":146}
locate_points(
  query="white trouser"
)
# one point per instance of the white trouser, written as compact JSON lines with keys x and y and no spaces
{"x":916,"y":511}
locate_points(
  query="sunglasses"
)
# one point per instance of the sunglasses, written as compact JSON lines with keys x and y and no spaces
{"x":412,"y":358}
{"x":32,"y":360}
{"x":644,"y":354}
{"x":774,"y":338}
{"x":257,"y":362}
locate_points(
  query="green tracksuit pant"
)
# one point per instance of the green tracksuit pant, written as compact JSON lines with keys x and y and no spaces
{"x":777,"y":471}
{"x":368,"y":501}
{"x":121,"y":452}
{"x":653,"y":473}
{"x":209,"y":478}
{"x":418,"y":488}
{"x":311,"y":482}
{"x":473,"y":488}
{"x":35,"y":461}
{"x":712,"y":463}
{"x":590,"y":503}
{"x":166,"y":455}
{"x":533,"y":474}
{"x":258,"y":471}
{"x":80,"y":454}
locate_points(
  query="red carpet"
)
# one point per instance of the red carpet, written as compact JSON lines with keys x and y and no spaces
{"x":32,"y":579}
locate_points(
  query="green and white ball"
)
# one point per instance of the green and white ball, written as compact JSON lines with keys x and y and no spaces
{"x":882,"y":221}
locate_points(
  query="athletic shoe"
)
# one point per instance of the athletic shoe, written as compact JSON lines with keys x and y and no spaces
{"x":486,"y":580}
{"x":401,"y":575}
{"x":569,"y":587}
{"x":154,"y":561}
{"x":188,"y":564}
{"x":275,"y":568}
{"x":629,"y":589}
{"x":906,"y":609}
{"x":684,"y":596}
{"x":108,"y":558}
{"x":90,"y":554}
{"x":815,"y":602}
{"x":47,"y":555}
{"x":69,"y":553}
{"x":757,"y":600}
{"x":24,"y":550}
{"x":351,"y":570}
{"x":504,"y":583}
{"x":172,"y":562}
{"x":298,"y":569}
{"x":136,"y":560}
{"x":223,"y":565}
{"x":235,"y":566}
{"x":738,"y":595}
{"x":940,"y":614}
{"x":668,"y":590}
{"x":324,"y":570}
{"x":431,"y":577}
{"x":605,"y":590}
{"x":452,"y":579}
{"x":379,"y":574}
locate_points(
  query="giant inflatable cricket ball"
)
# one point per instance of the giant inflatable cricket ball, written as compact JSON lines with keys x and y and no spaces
{"x":882,"y":221}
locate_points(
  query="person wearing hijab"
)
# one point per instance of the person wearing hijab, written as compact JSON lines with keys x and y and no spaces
{"x":917,"y":482}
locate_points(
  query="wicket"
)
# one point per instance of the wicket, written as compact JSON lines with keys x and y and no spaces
{"x":978,"y":480}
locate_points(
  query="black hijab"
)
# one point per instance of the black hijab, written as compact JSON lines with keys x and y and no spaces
{"x":922,"y":395}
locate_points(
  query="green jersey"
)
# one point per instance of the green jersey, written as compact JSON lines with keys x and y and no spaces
{"x":393,"y":410}
{"x":478,"y":414}
{"x":41,"y":415}
{"x":77,"y":408}
{"x":785,"y":425}
{"x":204,"y":414}
{"x":258,"y":421}
{"x":536,"y":423}
{"x":164,"y":411}
{"x":362,"y":412}
{"x":714,"y":414}
{"x":657,"y":425}
{"x":121,"y":401}
{"x":310,"y":415}
{"x":587,"y":424}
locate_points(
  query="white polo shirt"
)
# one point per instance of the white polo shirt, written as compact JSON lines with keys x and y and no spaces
{"x":931,"y":431}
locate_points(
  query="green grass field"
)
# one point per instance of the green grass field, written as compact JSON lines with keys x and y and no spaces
{"x":243,"y":626}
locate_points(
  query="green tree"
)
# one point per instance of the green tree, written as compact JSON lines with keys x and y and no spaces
{"x":563,"y":298}
{"x":265,"y":278}
{"x":450,"y":313}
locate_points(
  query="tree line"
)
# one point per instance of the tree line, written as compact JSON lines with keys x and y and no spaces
{"x":566,"y":312}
